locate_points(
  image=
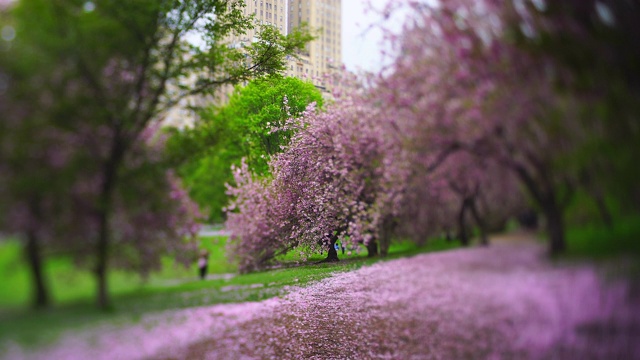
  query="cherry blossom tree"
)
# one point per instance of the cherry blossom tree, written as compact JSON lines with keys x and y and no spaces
{"x":153,"y":215}
{"x":462,"y":85}
{"x":477,"y":187}
{"x":50,"y":204}
{"x":36,"y":169}
{"x":330,"y":184}
{"x":526,"y":86}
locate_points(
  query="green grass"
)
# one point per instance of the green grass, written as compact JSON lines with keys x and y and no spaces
{"x":596,"y":241}
{"x":615,"y":249}
{"x":172,"y":288}
{"x":68,"y":284}
{"x":589,"y":238}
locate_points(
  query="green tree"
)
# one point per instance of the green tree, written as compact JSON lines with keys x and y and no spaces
{"x":112,"y":69}
{"x":253,"y":125}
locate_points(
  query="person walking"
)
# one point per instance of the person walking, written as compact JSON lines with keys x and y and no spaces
{"x":203,"y":264}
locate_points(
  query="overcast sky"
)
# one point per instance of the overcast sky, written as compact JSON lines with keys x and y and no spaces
{"x":361,"y":45}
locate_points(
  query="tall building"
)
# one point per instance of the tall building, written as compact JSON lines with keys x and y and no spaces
{"x":268,"y":12}
{"x":323,"y":56}
{"x":265,"y":12}
{"x":321,"y":59}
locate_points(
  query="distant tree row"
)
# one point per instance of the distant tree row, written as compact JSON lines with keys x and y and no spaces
{"x":491,"y":105}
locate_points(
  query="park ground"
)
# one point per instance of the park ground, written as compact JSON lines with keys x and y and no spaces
{"x":506,"y":301}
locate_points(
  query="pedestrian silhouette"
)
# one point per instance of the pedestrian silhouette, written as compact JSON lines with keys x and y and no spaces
{"x":203,"y":264}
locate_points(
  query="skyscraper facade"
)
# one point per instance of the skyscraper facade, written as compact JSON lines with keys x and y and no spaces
{"x":321,"y":59}
{"x":323,"y":56}
{"x":266,"y":12}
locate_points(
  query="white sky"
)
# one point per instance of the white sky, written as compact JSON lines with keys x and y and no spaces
{"x":361,"y":44}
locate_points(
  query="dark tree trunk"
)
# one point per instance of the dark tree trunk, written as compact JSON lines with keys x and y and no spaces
{"x":34,"y":257}
{"x":372,"y":248}
{"x":386,"y":232}
{"x":484,"y":240}
{"x":555,"y":227}
{"x":332,"y":253}
{"x":102,"y":249}
{"x":546,"y":196}
{"x":464,"y":238}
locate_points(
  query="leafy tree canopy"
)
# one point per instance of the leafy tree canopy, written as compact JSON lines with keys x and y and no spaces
{"x":255,"y":125}
{"x":84,"y":86}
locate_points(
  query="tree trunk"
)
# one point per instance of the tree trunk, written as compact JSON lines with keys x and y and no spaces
{"x":484,"y":240}
{"x":464,"y":238}
{"x":102,"y":249}
{"x":546,"y":198}
{"x":386,"y":232}
{"x":34,"y":258}
{"x":332,"y":253}
{"x":555,"y":227}
{"x":372,"y":248}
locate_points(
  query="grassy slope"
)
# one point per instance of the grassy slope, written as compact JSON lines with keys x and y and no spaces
{"x":172,"y":288}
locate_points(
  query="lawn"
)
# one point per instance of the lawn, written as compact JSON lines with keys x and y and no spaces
{"x":172,"y":288}
{"x":596,"y":241}
{"x":68,"y":284}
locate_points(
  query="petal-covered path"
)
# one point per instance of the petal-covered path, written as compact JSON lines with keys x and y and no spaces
{"x":501,"y":302}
